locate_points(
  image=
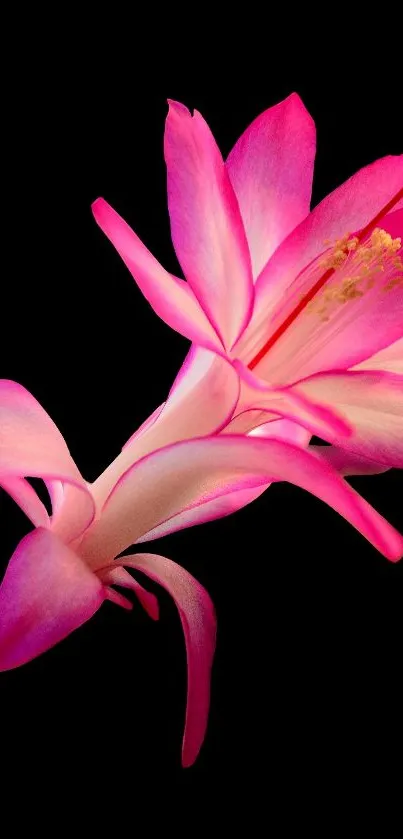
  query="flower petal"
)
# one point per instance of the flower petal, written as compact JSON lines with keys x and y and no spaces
{"x":32,"y":446}
{"x":206,"y":224}
{"x":118,"y":576}
{"x":271,"y":169}
{"x":199,"y":626}
{"x":171,"y":298}
{"x":348,"y":209}
{"x":46,"y":593}
{"x":229,"y":503}
{"x":201,"y":401}
{"x":372,"y":402}
{"x":171,"y":480}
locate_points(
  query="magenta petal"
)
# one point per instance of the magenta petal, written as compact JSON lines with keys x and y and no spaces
{"x":199,"y":626}
{"x":172,"y":299}
{"x":271,"y":168}
{"x":207,"y":229}
{"x":118,"y":576}
{"x":389,"y":359}
{"x":348,"y":463}
{"x":185,"y":474}
{"x":46,"y":593}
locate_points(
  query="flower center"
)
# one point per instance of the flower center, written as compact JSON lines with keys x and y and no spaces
{"x":361,"y":258}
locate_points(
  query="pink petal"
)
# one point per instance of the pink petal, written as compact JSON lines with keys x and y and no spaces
{"x":117,"y":576}
{"x":201,"y":401}
{"x":389,"y":359}
{"x":26,"y":498}
{"x":206,"y":224}
{"x":347,"y":210}
{"x":372,"y":402}
{"x":224,"y":505}
{"x":199,"y":626}
{"x":31,"y":446}
{"x":348,"y":463}
{"x":172,"y":299}
{"x":173,"y":479}
{"x":46,"y":593}
{"x":271,"y":168}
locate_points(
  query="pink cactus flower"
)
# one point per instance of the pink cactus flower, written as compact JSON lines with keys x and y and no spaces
{"x":296,"y":317}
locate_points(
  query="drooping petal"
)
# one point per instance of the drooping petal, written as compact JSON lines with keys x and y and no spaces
{"x":177,"y":477}
{"x":271,"y":168}
{"x":389,"y":359}
{"x":224,"y":505}
{"x":26,"y":498}
{"x":348,"y":463}
{"x":346,"y":210}
{"x":32,"y":446}
{"x":199,"y":626}
{"x":206,"y":224}
{"x":372,"y":403}
{"x":171,"y":298}
{"x":46,"y":593}
{"x":118,"y":576}
{"x":201,"y":401}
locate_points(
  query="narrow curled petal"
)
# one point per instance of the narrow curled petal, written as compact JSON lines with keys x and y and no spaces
{"x":224,"y":505}
{"x":347,"y":210}
{"x":348,"y":463}
{"x":271,"y":168}
{"x":117,"y":576}
{"x":171,"y":298}
{"x":46,"y":593}
{"x":177,"y":477}
{"x":389,"y":359}
{"x":26,"y":498}
{"x":199,"y":626}
{"x":372,"y":402}
{"x":201,"y":401}
{"x":206,"y":224}
{"x":32,"y":446}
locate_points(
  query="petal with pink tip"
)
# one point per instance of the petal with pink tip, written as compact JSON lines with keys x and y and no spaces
{"x":46,"y":593}
{"x":171,"y":298}
{"x":271,"y":168}
{"x":207,"y":229}
{"x":173,"y":479}
{"x":346,"y":210}
{"x":201,"y":401}
{"x":26,"y":498}
{"x":229,"y":503}
{"x":371,"y":402}
{"x":32,"y":446}
{"x":199,"y":626}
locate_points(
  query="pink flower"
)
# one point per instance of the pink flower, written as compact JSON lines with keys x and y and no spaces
{"x":296,"y":318}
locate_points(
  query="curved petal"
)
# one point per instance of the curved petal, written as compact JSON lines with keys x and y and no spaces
{"x":348,"y":463}
{"x":371,"y":402}
{"x":206,"y":224}
{"x":26,"y":498}
{"x":224,"y":505}
{"x":32,"y":446}
{"x":271,"y":169}
{"x":349,"y":208}
{"x":171,"y":298}
{"x":201,"y":401}
{"x":389,"y":359}
{"x":171,"y":480}
{"x":46,"y":593}
{"x":199,"y":626}
{"x":118,"y":576}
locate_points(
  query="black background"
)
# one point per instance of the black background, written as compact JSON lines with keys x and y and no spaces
{"x":307,"y":679}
